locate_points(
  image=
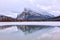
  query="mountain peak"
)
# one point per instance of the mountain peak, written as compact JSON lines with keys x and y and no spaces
{"x":29,"y":14}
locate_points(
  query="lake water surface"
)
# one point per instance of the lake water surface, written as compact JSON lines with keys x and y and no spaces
{"x":12,"y":33}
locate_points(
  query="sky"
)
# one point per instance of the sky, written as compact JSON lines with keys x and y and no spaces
{"x":14,"y":7}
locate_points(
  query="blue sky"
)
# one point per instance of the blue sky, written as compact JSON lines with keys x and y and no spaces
{"x":52,"y":6}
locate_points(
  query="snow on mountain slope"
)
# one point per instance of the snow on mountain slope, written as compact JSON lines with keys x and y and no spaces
{"x":28,"y":14}
{"x":44,"y":12}
{"x":13,"y":15}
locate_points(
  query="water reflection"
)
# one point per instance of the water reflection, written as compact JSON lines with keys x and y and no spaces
{"x":38,"y":32}
{"x":24,"y":28}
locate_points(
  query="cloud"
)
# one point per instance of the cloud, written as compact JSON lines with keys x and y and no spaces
{"x":44,"y":7}
{"x":18,"y":5}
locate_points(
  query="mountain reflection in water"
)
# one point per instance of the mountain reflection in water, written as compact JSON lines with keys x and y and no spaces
{"x":44,"y":33}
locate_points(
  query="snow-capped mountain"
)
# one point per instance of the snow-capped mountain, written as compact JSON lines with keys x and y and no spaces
{"x":31,"y":15}
{"x":54,"y":19}
{"x":6,"y":18}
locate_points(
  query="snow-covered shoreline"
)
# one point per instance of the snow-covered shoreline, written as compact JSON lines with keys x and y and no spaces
{"x":31,"y":23}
